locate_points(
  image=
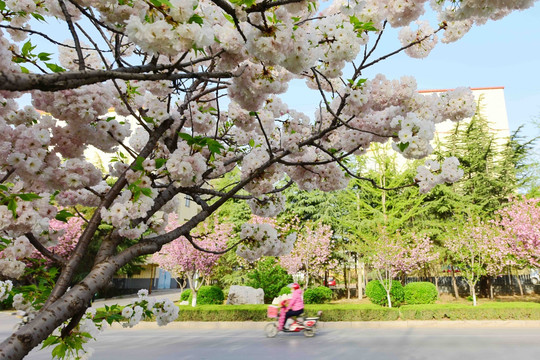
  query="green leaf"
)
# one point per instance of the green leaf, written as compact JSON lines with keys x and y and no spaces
{"x":51,"y":340}
{"x":55,"y":68}
{"x":214,"y":146}
{"x":148,"y":119}
{"x":147,"y":191}
{"x":252,"y":113}
{"x":186,"y":137}
{"x":229,"y":18}
{"x":160,"y":162}
{"x":12,"y":205}
{"x":28,"y":196}
{"x":59,"y":351}
{"x":251,"y":142}
{"x":43,"y":56}
{"x":38,"y":17}
{"x":195,"y":18}
{"x":24,"y":70}
{"x":138,"y":164}
{"x":27,"y":48}
{"x":63,"y":215}
{"x":159,"y":3}
{"x":403,"y":146}
{"x":2,"y":6}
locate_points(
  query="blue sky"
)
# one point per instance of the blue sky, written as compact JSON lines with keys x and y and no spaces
{"x":500,"y":53}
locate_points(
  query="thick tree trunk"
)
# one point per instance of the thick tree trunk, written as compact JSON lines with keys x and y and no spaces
{"x":349,"y":281}
{"x":454,"y":282}
{"x":345,"y":281}
{"x":357,"y":275}
{"x":22,"y":341}
{"x":473,"y":293}
{"x":437,"y":284}
{"x":491,"y":287}
{"x":519,"y":284}
{"x":362,"y":280}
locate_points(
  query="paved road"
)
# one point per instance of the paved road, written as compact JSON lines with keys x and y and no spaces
{"x":416,"y":343}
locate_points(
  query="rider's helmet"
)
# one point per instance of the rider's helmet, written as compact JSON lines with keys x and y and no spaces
{"x":295,"y":286}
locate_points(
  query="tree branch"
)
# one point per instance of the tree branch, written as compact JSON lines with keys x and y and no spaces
{"x":44,"y":251}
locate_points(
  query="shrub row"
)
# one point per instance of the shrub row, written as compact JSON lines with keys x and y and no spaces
{"x":371,"y":312}
{"x":412,"y":293}
{"x":346,"y":312}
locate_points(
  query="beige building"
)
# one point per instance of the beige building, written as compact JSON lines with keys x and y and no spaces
{"x":492,"y":105}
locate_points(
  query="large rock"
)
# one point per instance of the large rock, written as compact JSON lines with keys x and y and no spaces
{"x":240,"y":295}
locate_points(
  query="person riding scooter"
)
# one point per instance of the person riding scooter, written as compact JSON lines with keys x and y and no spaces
{"x":295,"y":306}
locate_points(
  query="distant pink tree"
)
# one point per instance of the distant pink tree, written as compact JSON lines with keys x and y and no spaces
{"x":519,"y":225}
{"x":478,"y":250}
{"x":394,"y":255}
{"x":180,"y":257}
{"x":66,"y":235}
{"x":311,"y":252}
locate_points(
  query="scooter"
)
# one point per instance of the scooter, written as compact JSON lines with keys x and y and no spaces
{"x":308,"y":325}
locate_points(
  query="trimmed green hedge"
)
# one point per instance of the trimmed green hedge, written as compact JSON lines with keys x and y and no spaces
{"x":490,"y":311}
{"x":420,"y":293}
{"x":371,"y":312}
{"x":346,"y":312}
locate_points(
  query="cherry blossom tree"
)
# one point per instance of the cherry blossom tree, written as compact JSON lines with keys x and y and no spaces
{"x":180,"y":257}
{"x":394,"y":255}
{"x":478,"y":250}
{"x":194,"y":87}
{"x":518,"y":231}
{"x":519,"y":228}
{"x":311,"y":252}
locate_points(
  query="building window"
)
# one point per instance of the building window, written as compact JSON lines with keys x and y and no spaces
{"x":188,"y":201}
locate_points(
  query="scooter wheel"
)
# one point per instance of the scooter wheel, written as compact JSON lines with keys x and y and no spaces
{"x":270,"y":330}
{"x":309,"y":332}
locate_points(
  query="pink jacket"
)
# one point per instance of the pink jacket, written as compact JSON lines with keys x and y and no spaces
{"x":297,"y":301}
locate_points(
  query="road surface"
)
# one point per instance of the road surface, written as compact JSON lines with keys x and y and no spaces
{"x":383,"y":343}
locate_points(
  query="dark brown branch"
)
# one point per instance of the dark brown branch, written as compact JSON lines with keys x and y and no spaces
{"x":8,"y":174}
{"x":44,"y":251}
{"x":441,"y":27}
{"x":34,"y":32}
{"x":74,"y":79}
{"x":265,"y":5}
{"x":73,"y":34}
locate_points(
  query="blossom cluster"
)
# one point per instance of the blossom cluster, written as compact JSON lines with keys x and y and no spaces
{"x":10,"y":258}
{"x":427,"y":179}
{"x":263,"y":240}
{"x":5,"y":288}
{"x":164,"y":310}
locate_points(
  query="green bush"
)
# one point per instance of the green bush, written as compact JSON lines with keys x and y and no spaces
{"x":270,"y":277}
{"x":318,"y":295}
{"x":285,"y":290}
{"x":420,"y":293}
{"x":210,"y":295}
{"x":185,"y":295}
{"x":377,"y":294}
